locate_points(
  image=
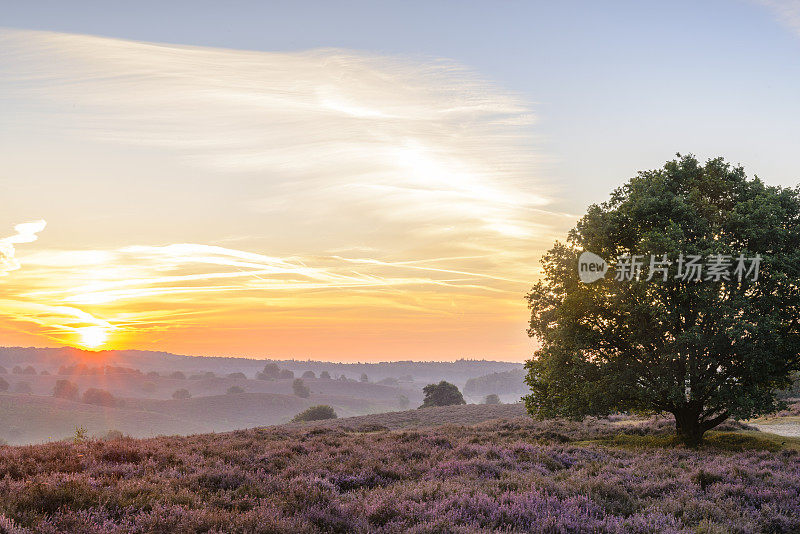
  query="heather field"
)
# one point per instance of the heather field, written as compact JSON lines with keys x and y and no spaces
{"x":357,"y":475}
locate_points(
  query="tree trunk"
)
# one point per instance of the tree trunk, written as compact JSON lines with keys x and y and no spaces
{"x":688,"y":427}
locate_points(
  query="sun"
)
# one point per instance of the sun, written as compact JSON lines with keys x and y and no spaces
{"x":93,"y":336}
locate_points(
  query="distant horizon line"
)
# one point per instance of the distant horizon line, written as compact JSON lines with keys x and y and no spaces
{"x":265,"y":359}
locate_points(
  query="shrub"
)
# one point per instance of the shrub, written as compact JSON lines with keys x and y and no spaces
{"x":113,"y":435}
{"x":492,"y":398}
{"x":237,"y":376}
{"x":286,"y":374}
{"x":17,"y":370}
{"x":403,"y":401}
{"x":364,"y":377}
{"x":99,"y":397}
{"x":3,"y":385}
{"x":389,"y":381}
{"x":300,"y":389}
{"x":29,"y":370}
{"x":181,"y":394}
{"x":309,"y":374}
{"x":177,"y":375}
{"x":64,"y":389}
{"x":316,"y":413}
{"x":234,"y":390}
{"x":442,"y":394}
{"x":23,"y":388}
{"x":153,"y":374}
{"x":325,"y":375}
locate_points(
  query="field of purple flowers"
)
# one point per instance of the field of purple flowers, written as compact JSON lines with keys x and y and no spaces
{"x":513,"y":475}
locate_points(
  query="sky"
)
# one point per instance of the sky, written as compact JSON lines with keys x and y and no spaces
{"x":349,"y":181}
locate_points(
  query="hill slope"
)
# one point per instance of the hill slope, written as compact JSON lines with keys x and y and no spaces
{"x":506,"y":475}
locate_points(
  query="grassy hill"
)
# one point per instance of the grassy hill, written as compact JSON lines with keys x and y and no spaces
{"x":510,"y":474}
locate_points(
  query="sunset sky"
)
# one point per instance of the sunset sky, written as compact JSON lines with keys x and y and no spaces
{"x":348,"y":181}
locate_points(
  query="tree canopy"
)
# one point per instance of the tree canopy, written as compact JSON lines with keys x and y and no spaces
{"x":442,"y":394}
{"x":705,"y":347}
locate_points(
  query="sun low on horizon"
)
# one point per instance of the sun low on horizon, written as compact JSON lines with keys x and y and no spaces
{"x":223,"y":202}
{"x":263,"y":193}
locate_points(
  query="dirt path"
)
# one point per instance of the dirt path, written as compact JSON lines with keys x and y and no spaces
{"x":781,"y":429}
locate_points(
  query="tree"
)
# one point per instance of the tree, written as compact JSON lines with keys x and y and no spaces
{"x":177,"y":375}
{"x":238,"y":376}
{"x":286,"y":374}
{"x":181,"y":394}
{"x":364,"y":377}
{"x":300,"y":389}
{"x":271,"y":372}
{"x":315,"y":413}
{"x":23,"y":388}
{"x":29,"y":370}
{"x":441,"y":394}
{"x":705,"y":350}
{"x":309,"y":374}
{"x":64,"y":389}
{"x":235,"y":390}
{"x":325,"y":375}
{"x":99,"y":397}
{"x":492,"y":398}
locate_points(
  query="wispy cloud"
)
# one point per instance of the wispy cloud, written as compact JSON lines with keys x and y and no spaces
{"x":25,"y":233}
{"x":383,"y":185}
{"x":787,"y":12}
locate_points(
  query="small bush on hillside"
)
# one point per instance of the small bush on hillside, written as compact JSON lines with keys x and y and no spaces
{"x":64,"y":389}
{"x":3,"y":385}
{"x":45,"y":373}
{"x":196,"y":377}
{"x":442,"y":394}
{"x":364,"y":377}
{"x":209,"y":375}
{"x":178,"y":375}
{"x":153,"y":374}
{"x":113,"y":435}
{"x":29,"y":370}
{"x":17,"y":370}
{"x":316,"y":413}
{"x":325,"y":375}
{"x":403,"y":401}
{"x":238,"y":376}
{"x":181,"y":394}
{"x":99,"y":397}
{"x":23,"y":388}
{"x":234,"y":390}
{"x":388,"y":381}
{"x":309,"y":374}
{"x":300,"y":389}
{"x":286,"y":374}
{"x":342,"y":378}
{"x":492,"y":398}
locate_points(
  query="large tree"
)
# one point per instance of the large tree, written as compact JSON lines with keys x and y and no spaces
{"x":704,"y":350}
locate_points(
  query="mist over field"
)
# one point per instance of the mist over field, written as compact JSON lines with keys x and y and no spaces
{"x":143,"y":384}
